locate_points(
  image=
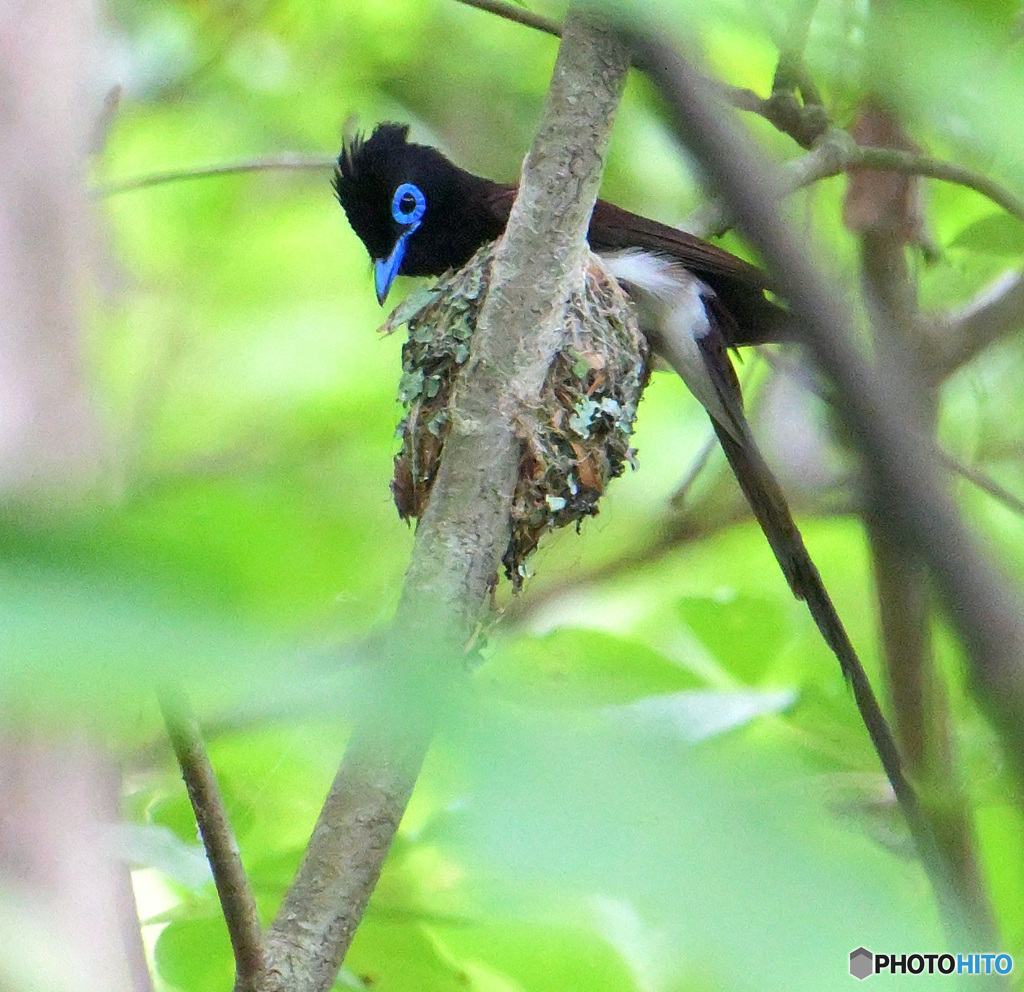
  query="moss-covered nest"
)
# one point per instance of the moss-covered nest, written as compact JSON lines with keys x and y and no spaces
{"x":574,"y":444}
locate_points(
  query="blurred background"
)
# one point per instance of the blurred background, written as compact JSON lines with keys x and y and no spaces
{"x":661,"y":781}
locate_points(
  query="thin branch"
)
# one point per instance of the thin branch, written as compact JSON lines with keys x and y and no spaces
{"x":694,"y":470}
{"x":713,"y":514}
{"x":905,"y":494}
{"x":267,"y":163}
{"x":892,"y":160}
{"x":985,"y":483}
{"x":998,"y":310}
{"x":233,"y":889}
{"x":703,"y":456}
{"x":836,"y":153}
{"x":520,"y":15}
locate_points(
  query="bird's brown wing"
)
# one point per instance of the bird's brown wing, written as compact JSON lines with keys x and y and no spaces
{"x":739,"y":285}
{"x":615,"y":229}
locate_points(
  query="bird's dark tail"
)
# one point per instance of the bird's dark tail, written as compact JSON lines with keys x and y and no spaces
{"x":770,"y":508}
{"x":768,"y":502}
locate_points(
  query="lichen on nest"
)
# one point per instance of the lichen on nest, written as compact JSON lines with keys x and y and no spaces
{"x":571,"y":446}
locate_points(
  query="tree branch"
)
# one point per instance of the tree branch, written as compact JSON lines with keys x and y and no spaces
{"x":884,"y":210}
{"x":993,"y":314}
{"x":836,"y":153}
{"x":905,"y":495}
{"x":236,"y":898}
{"x":465,"y":529}
{"x":266,"y":163}
{"x":985,"y":483}
{"x":518,"y":15}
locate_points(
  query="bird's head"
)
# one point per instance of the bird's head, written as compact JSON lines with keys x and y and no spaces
{"x":417,"y":213}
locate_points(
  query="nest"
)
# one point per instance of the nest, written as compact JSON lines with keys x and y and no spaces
{"x":572,"y":445}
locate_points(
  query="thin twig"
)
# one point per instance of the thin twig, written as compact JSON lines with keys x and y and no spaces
{"x":892,"y":160}
{"x":233,"y":889}
{"x":998,"y":310}
{"x":985,"y":483}
{"x":520,"y":15}
{"x":286,"y":160}
{"x":694,"y":470}
{"x":700,"y":460}
{"x":837,"y":153}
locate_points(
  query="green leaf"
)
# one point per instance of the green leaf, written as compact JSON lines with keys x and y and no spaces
{"x":700,"y":714}
{"x":745,"y":633}
{"x":395,"y":955}
{"x":195,"y":955}
{"x":580,"y":667}
{"x":997,"y":234}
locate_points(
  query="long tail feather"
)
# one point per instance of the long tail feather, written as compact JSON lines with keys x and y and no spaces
{"x":770,"y":508}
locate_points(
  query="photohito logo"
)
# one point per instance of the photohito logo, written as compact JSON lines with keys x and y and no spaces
{"x":864,"y":964}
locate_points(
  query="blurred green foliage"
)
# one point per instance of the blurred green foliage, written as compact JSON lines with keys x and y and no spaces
{"x":662,"y":782}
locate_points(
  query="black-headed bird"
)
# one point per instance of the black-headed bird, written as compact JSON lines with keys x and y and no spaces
{"x":419,"y":214}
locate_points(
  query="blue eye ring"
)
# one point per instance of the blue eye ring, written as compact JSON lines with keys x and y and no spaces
{"x":408,"y":217}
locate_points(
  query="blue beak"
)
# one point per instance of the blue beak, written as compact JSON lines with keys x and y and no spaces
{"x":385,"y":269}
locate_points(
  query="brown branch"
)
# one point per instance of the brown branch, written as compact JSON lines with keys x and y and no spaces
{"x":910,"y":163}
{"x":996,"y":312}
{"x":268,"y":163}
{"x":985,"y":483}
{"x":464,"y":532}
{"x":519,"y":15}
{"x":236,"y":898}
{"x":904,"y":495}
{"x":803,"y":122}
{"x":883,"y":208}
{"x":836,"y":153}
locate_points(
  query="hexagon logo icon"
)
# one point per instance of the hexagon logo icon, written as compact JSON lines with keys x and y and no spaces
{"x":862,"y":963}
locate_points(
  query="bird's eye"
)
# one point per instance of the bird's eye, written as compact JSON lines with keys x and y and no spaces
{"x":409,"y":204}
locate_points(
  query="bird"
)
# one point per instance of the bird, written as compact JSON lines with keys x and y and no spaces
{"x":420,"y":214}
